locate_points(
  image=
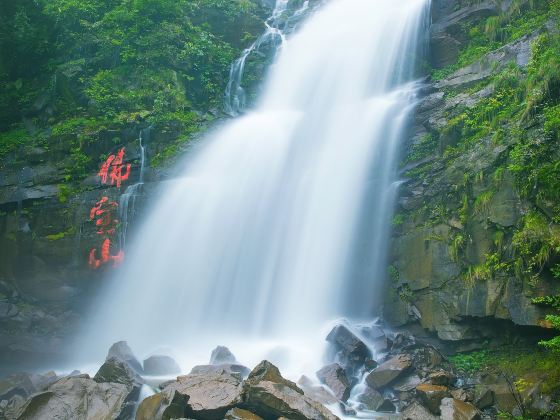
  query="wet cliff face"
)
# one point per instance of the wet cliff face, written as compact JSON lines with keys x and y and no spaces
{"x":472,"y":216}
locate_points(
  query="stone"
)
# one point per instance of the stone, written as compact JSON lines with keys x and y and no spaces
{"x":388,"y":371}
{"x":16,"y":384}
{"x":484,"y":397}
{"x":266,"y":371}
{"x":163,"y":406}
{"x":315,"y":392}
{"x":441,"y":377}
{"x":209,"y":395}
{"x":239,"y":371}
{"x":221,"y":355}
{"x":452,"y":409}
{"x":371,"y":399}
{"x":406,"y":383}
{"x":240,"y":414}
{"x":78,"y":397}
{"x":376,"y":337}
{"x":431,"y":396}
{"x":273,"y":400}
{"x":349,"y":350}
{"x":335,"y":378}
{"x":117,"y":371}
{"x":9,"y":409}
{"x":161,"y":365}
{"x":461,"y":394}
{"x":416,"y":411}
{"x":122,"y":351}
{"x":269,"y":395}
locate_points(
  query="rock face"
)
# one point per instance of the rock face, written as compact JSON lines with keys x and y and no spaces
{"x":161,"y":365}
{"x":335,"y":378}
{"x":446,"y":232}
{"x":387,"y":372}
{"x":76,"y":398}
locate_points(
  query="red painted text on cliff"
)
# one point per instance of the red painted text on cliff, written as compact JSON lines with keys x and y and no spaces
{"x":112,"y":172}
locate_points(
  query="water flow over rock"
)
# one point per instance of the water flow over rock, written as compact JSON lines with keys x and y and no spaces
{"x":280,"y":220}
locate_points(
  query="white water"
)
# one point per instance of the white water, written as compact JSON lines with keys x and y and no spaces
{"x":280,"y":222}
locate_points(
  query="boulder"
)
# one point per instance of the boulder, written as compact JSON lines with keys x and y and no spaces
{"x":17,"y":384}
{"x":376,"y":337}
{"x":431,"y":396}
{"x":163,"y":406}
{"x":221,"y":355}
{"x":161,"y":365}
{"x":371,"y":399}
{"x":483,"y":397}
{"x":78,"y":397}
{"x":117,"y":371}
{"x":441,"y":377}
{"x":387,"y":372}
{"x":122,"y":351}
{"x":452,"y":409}
{"x":317,"y":393}
{"x":240,"y":414}
{"x":269,"y":395}
{"x":335,"y":378}
{"x":348,"y":349}
{"x":209,"y":395}
{"x":416,"y":411}
{"x":239,"y":371}
{"x":9,"y":409}
{"x":273,"y":400}
{"x":266,"y":371}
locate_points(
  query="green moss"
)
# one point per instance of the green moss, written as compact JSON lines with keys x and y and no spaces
{"x":11,"y":140}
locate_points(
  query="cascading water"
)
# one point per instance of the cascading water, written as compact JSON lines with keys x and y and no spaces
{"x":279,"y":222}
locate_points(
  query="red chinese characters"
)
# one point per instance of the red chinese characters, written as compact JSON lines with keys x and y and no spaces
{"x":112,"y":172}
{"x":102,"y":214}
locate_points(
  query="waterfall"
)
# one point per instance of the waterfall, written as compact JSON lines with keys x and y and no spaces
{"x":279,"y":222}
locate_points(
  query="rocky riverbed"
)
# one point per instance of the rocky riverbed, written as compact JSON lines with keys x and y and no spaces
{"x":372,"y":373}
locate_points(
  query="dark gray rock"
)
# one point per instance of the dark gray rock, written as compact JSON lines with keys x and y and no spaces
{"x":349,"y":350}
{"x":335,"y":378}
{"x":238,"y":371}
{"x":371,"y":399}
{"x":269,"y":395}
{"x":432,"y":395}
{"x":452,"y":409}
{"x":117,"y":371}
{"x":161,"y":365}
{"x":221,"y":355}
{"x":76,"y":398}
{"x":416,"y":411}
{"x":122,"y":351}
{"x":389,"y":371}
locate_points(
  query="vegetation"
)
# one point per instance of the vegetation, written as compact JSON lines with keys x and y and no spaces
{"x":71,"y":70}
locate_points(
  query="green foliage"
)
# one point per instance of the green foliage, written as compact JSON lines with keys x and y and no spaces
{"x":83,"y":66}
{"x":496,"y":31}
{"x":426,"y":146}
{"x":393,"y":273}
{"x":11,"y":140}
{"x":471,"y":362}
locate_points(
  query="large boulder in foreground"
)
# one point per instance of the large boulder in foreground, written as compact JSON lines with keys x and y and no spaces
{"x":78,"y":397}
{"x":207,"y":396}
{"x":389,"y":371}
{"x":122,"y":351}
{"x":335,"y":378}
{"x":161,"y":365}
{"x":269,"y":395}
